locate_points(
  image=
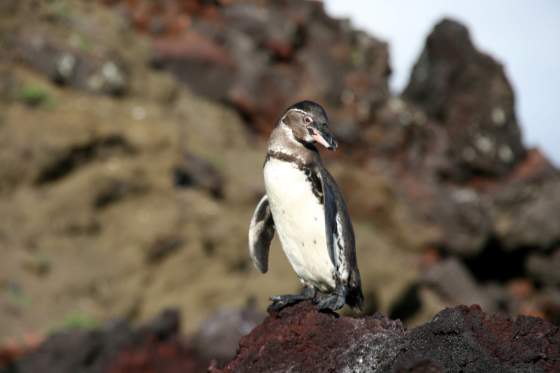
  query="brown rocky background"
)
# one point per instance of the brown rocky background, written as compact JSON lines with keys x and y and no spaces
{"x":132,"y":136}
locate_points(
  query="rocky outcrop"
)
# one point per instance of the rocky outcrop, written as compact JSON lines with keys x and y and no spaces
{"x":475,"y":163}
{"x":301,"y":339}
{"x":272,"y":55}
{"x":468,"y":92}
{"x":460,"y":339}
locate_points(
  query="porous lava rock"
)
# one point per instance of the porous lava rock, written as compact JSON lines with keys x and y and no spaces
{"x":459,"y":339}
{"x":302,"y":339}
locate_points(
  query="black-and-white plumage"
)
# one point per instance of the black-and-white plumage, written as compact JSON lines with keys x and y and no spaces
{"x":305,"y":207}
{"x":261,"y":234}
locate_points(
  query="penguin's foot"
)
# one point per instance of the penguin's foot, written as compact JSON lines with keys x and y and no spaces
{"x":332,"y":301}
{"x":281,"y":301}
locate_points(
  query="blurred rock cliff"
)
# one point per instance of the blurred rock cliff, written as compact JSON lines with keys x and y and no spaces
{"x":132,"y":137}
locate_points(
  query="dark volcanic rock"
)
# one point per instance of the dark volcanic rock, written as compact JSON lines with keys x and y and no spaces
{"x":300,"y":339}
{"x":66,"y":160}
{"x":70,"y":66}
{"x":451,"y":279}
{"x":273,"y":54}
{"x":545,"y":269}
{"x":194,"y":171}
{"x":527,"y":214}
{"x":461,"y":162}
{"x":460,"y":339}
{"x":115,"y":348}
{"x":465,"y":339}
{"x":218,"y":336}
{"x":469,"y":93}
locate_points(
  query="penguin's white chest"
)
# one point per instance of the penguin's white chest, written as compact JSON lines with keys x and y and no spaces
{"x":300,"y":222}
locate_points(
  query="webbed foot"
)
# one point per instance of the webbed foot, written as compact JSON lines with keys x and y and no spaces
{"x":332,"y":301}
{"x":281,"y":301}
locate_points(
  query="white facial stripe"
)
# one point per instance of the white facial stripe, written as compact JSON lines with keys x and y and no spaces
{"x":308,"y":137}
{"x":296,"y":110}
{"x":299,"y":111}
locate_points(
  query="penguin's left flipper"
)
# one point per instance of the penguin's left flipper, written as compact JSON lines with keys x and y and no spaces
{"x":338,"y":228}
{"x":261,"y":232}
{"x":340,"y":243}
{"x":329,"y":205}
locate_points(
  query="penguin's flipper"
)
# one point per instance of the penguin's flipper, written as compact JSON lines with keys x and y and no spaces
{"x":261,"y":232}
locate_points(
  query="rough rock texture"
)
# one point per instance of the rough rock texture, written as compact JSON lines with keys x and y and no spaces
{"x":480,"y":185}
{"x":301,"y":339}
{"x":532,"y":203}
{"x":468,"y":92}
{"x":460,"y":339}
{"x":273,"y":54}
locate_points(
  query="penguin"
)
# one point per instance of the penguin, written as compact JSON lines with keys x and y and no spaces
{"x":305,"y":207}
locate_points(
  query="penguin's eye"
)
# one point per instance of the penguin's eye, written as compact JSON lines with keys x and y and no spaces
{"x":307,"y":120}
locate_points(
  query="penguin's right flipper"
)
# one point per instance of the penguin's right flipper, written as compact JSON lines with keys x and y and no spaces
{"x":261,"y":232}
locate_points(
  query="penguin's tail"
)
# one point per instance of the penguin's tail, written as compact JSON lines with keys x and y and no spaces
{"x":354,"y":296}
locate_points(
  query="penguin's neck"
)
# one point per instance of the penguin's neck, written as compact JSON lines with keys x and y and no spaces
{"x":283,"y":145}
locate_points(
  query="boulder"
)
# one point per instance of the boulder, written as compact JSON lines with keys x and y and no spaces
{"x":468,"y":92}
{"x":459,"y":339}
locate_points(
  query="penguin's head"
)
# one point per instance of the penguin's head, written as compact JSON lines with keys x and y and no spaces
{"x":309,"y":124}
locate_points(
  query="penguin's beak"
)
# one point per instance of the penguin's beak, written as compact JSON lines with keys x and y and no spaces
{"x":323,"y":135}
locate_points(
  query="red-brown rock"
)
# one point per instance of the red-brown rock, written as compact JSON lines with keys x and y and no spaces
{"x":460,"y":339}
